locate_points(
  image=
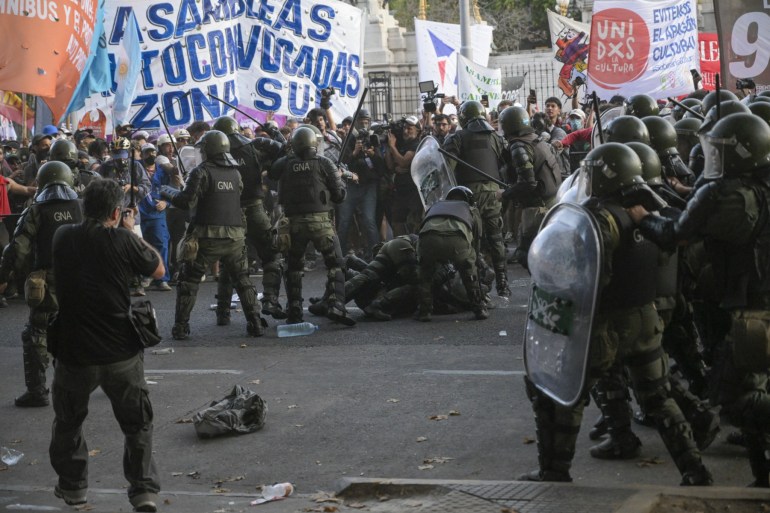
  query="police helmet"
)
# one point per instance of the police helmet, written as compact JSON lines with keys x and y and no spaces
{"x":304,"y":143}
{"x":469,"y":111}
{"x":678,"y":111}
{"x":626,"y":129}
{"x":662,"y":134}
{"x":761,"y":109}
{"x":738,"y":144}
{"x":641,"y":105}
{"x":612,"y":167}
{"x":724,"y":109}
{"x":651,"y":165}
{"x":711,"y":99}
{"x":227,"y":125}
{"x":461,"y":193}
{"x":213,"y":144}
{"x":515,"y":122}
{"x":54,"y":172}
{"x":65,"y":151}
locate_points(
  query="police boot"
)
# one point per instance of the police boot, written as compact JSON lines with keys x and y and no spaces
{"x":180,"y":331}
{"x":698,"y":475}
{"x":705,"y":427}
{"x":319,"y":308}
{"x":424,"y":313}
{"x":758,"y":461}
{"x":271,"y":281}
{"x":354,"y":262}
{"x":271,"y":307}
{"x":555,"y":443}
{"x":676,"y":434}
{"x":338,"y":313}
{"x":643,"y":419}
{"x":600,"y":428}
{"x":612,"y":398}
{"x":501,"y":279}
{"x":376,"y":309}
{"x":294,"y":311}
{"x":255,"y":324}
{"x":34,"y":377}
{"x":223,"y":309}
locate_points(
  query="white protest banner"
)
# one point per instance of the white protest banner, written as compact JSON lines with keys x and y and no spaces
{"x":640,"y":46}
{"x":570,"y":41}
{"x":271,"y":55}
{"x":437,"y":44}
{"x":474,"y":81}
{"x":744,"y":40}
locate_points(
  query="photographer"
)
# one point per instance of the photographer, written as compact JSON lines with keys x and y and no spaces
{"x":367,"y":163}
{"x":96,"y":345}
{"x":320,"y":119}
{"x":405,"y":210}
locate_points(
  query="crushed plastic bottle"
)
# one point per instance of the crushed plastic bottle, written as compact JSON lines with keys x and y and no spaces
{"x":10,"y":456}
{"x":274,"y":492}
{"x":296,"y":330}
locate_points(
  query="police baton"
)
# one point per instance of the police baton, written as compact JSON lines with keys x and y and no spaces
{"x":688,"y":109}
{"x":173,"y":144}
{"x":473,"y":168}
{"x":597,"y":114}
{"x":279,"y":137}
{"x":348,"y":136}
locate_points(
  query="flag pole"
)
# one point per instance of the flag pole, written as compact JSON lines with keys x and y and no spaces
{"x":465,"y":29}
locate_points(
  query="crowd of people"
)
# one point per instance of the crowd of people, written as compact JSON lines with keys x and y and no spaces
{"x":225,"y":200}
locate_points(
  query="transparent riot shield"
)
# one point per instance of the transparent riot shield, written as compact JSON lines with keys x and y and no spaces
{"x":564,"y":259}
{"x":607,"y":116}
{"x":430,"y":173}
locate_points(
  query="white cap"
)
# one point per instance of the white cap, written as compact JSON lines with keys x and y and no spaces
{"x":412,"y":120}
{"x":162,"y":160}
{"x":148,"y":147}
{"x":165,"y":139}
{"x":181,"y":134}
{"x":577,"y":113}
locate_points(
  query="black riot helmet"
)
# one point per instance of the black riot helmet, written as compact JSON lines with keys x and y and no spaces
{"x":514,"y":122}
{"x":678,"y":112}
{"x":304,"y":143}
{"x":469,"y":111}
{"x":227,"y":125}
{"x":710,"y":100}
{"x":641,"y":105}
{"x":686,"y":135}
{"x":215,"y":147}
{"x":54,"y":172}
{"x":761,"y":109}
{"x":625,"y":129}
{"x":611,"y":167}
{"x":65,"y":151}
{"x":461,"y":193}
{"x":737,"y":145}
{"x":651,"y":165}
{"x":725,"y":109}
{"x":662,"y":134}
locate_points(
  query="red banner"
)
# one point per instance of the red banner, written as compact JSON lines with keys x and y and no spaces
{"x":709,"y":59}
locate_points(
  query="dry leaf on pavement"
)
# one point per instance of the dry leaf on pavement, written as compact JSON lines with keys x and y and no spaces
{"x":438,"y":417}
{"x":325,"y":497}
{"x":648,"y":462}
{"x":425,"y":467}
{"x":422,"y":439}
{"x":94,"y":452}
{"x":528,"y":440}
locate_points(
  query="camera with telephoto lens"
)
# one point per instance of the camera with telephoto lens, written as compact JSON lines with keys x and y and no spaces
{"x":745,"y":83}
{"x":428,"y":91}
{"x":326,"y":94}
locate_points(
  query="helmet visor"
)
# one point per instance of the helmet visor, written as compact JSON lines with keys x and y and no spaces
{"x":713,"y":151}
{"x":588,"y":169}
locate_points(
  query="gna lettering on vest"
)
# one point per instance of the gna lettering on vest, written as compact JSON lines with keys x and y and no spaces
{"x":300,"y":166}
{"x":225,"y":186}
{"x":62,"y":216}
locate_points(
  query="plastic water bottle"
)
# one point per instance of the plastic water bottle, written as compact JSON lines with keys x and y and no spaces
{"x":296,"y":330}
{"x":279,"y":490}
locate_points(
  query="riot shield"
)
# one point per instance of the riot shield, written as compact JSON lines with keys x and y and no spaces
{"x":564,"y":260}
{"x":191,"y":157}
{"x":430,"y":173}
{"x":607,"y":116}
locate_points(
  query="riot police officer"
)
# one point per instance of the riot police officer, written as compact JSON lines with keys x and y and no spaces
{"x":64,"y":150}
{"x":135,"y":182}
{"x":534,"y":173}
{"x":308,"y":186}
{"x":730,"y":212}
{"x":640,"y":106}
{"x":252,"y":155}
{"x":216,"y":232}
{"x":479,"y":145}
{"x":450,"y":232}
{"x":625,"y":328}
{"x":55,"y":205}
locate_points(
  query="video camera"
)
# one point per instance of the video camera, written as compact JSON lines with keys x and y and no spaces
{"x":326,"y":94}
{"x":745,"y":83}
{"x":428,"y":91}
{"x":377,"y":133}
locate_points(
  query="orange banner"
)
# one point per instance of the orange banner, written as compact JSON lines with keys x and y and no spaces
{"x":45,"y":47}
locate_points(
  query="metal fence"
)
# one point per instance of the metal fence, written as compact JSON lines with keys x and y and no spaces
{"x":398,"y":94}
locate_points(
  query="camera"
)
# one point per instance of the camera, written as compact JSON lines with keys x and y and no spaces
{"x":428,"y":91}
{"x":745,"y":83}
{"x":326,"y":94}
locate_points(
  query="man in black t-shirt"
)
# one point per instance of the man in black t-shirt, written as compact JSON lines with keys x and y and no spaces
{"x":406,"y":208}
{"x":95,"y":344}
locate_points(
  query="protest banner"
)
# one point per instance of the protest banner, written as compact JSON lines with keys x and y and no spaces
{"x":12,"y":108}
{"x":744,"y":41}
{"x":474,"y":81}
{"x":45,"y":47}
{"x":570,"y":40}
{"x":438,"y":45}
{"x":709,"y":59}
{"x":643,"y":46}
{"x":272,"y":55}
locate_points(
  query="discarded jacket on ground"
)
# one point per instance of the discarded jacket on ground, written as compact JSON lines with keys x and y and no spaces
{"x":240,"y":411}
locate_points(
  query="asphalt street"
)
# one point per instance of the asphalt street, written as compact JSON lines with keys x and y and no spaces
{"x":398,"y":399}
